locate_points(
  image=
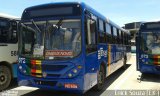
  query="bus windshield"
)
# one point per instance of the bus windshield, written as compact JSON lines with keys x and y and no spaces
{"x":50,"y":40}
{"x":150,"y":42}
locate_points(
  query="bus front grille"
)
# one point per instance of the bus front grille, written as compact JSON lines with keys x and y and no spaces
{"x":53,"y":68}
{"x":45,"y":83}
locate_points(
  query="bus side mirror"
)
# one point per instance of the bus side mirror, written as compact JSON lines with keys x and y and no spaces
{"x":138,"y":38}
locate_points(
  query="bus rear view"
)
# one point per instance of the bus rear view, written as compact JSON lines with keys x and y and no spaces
{"x":148,"y":48}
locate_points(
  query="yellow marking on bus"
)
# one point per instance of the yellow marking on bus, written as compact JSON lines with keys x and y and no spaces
{"x":38,"y":62}
{"x":38,"y":75}
{"x":109,"y":58}
{"x":156,"y":63}
{"x":38,"y":71}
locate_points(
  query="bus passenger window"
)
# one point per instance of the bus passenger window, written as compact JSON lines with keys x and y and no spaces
{"x":115,"y":35}
{"x":8,"y":32}
{"x":101,"y":32}
{"x":108,"y":33}
{"x":112,"y":35}
{"x":91,"y":36}
{"x":118,"y":36}
{"x":91,"y":32}
{"x":14,"y":37}
{"x":108,"y":28}
{"x":122,"y":37}
{"x":4,"y":26}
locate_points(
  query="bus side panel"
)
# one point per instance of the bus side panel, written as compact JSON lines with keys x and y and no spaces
{"x":116,"y":61}
{"x":118,"y":57}
{"x":138,"y":54}
{"x":93,"y":62}
{"x":14,"y":70}
{"x":150,"y":69}
{"x":9,"y":55}
{"x":111,"y":65}
{"x":90,"y":78}
{"x":129,"y":54}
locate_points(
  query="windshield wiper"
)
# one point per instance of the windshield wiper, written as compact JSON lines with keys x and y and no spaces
{"x":53,"y":28}
{"x":27,"y":27}
{"x":39,"y":31}
{"x":59,"y":23}
{"x":155,"y":34}
{"x":36,"y":26}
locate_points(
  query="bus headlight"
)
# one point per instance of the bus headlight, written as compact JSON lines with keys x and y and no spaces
{"x":143,"y":60}
{"x":22,"y":69}
{"x":79,"y":67}
{"x":74,"y":70}
{"x":44,"y":74}
{"x":146,"y":62}
{"x":69,"y":75}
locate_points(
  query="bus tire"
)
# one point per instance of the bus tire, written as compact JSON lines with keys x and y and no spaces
{"x":5,"y":77}
{"x":100,"y":79}
{"x":124,"y":63}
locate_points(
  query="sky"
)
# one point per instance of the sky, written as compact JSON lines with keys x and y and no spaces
{"x":118,"y":11}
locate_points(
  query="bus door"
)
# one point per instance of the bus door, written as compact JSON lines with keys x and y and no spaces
{"x":114,"y":50}
{"x":91,"y":48}
{"x":117,"y":50}
{"x":143,"y":43}
{"x":114,"y":46}
{"x":137,"y":50}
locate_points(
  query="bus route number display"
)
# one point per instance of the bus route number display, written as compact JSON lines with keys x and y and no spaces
{"x":151,"y":26}
{"x":58,"y":53}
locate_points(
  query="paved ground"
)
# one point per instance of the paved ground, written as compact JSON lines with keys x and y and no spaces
{"x":120,"y":83}
{"x":128,"y":80}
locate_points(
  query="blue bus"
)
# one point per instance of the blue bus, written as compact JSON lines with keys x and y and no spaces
{"x":8,"y":49}
{"x":69,"y":46}
{"x":148,"y":48}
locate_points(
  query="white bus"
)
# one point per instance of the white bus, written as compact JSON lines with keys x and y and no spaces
{"x":8,"y":49}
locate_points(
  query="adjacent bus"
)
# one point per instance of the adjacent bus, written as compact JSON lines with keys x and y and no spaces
{"x":8,"y":49}
{"x":69,"y":47}
{"x":148,"y":48}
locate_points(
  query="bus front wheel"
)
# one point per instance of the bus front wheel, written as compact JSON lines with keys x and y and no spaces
{"x":100,"y":79}
{"x":5,"y":77}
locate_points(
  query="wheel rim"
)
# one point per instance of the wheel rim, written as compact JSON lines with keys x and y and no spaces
{"x":3,"y":78}
{"x":101,"y":78}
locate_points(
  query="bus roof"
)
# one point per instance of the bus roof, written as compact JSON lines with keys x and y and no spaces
{"x":85,"y":7}
{"x":7,"y":16}
{"x":102,"y":17}
{"x":151,"y":22}
{"x":154,"y":25}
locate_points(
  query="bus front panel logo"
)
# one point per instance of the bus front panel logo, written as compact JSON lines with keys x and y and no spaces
{"x":102,"y":53}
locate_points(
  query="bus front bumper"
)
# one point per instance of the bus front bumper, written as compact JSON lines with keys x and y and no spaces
{"x":150,"y":69}
{"x":74,"y":85}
